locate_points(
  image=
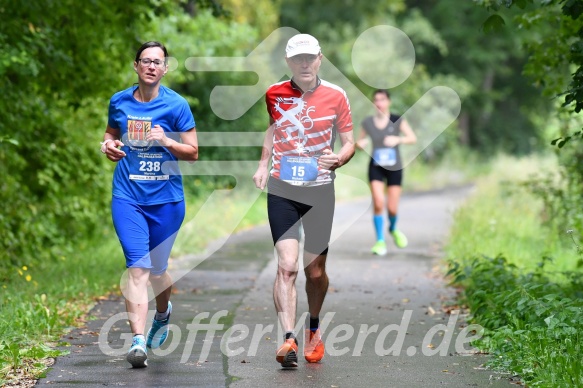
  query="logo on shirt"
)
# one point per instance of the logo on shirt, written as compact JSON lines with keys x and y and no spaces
{"x":294,"y":119}
{"x":138,"y":130}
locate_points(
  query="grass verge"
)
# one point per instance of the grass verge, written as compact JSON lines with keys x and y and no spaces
{"x":520,"y":278}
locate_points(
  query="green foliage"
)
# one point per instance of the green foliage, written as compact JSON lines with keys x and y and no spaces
{"x":533,"y":323}
{"x":531,"y":308}
{"x":50,"y":298}
{"x":54,"y":179}
{"x":554,"y":43}
{"x":499,"y":112}
{"x":61,"y":66}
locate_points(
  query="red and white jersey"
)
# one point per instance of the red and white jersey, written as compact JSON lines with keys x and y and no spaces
{"x":306,"y":124}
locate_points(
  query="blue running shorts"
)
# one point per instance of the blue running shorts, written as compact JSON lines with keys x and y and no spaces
{"x":147,"y":233}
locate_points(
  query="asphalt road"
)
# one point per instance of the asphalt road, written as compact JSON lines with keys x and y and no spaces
{"x":385,"y":322}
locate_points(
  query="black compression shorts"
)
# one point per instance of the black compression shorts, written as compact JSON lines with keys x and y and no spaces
{"x":312,"y":207}
{"x":377,"y":173}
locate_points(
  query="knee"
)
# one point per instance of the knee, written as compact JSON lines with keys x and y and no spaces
{"x":378,"y":206}
{"x":286,"y":276}
{"x":138,"y":276}
{"x":315,"y":274}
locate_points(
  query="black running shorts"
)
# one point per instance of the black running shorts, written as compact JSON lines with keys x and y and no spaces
{"x":312,"y":207}
{"x":377,"y":173}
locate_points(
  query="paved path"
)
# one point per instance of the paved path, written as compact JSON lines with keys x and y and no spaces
{"x":367,"y":294}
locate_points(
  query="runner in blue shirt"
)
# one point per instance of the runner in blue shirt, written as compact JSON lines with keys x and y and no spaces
{"x":386,"y":131}
{"x":148,"y":125}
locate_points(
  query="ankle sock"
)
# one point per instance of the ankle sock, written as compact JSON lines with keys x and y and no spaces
{"x":314,"y":323}
{"x":162,"y":316}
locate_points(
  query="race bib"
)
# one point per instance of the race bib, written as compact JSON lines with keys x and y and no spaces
{"x":385,"y":157}
{"x":298,"y":169}
{"x":147,"y":166}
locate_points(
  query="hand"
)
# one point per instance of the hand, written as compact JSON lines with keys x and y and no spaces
{"x":392,"y":141}
{"x":157,"y":134}
{"x":112,"y":151}
{"x":260,"y":177}
{"x":329,"y":160}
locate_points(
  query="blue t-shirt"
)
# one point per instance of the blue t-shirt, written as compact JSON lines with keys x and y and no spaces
{"x":141,"y":175}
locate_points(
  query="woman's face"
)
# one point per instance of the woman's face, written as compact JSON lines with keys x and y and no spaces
{"x":382,"y":102}
{"x":151,"y":73}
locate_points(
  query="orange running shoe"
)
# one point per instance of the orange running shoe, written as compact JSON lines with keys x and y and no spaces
{"x":287,"y":354}
{"x":314,"y":347}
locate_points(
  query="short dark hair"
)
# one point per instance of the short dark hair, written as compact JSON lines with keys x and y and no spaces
{"x":382,"y":91}
{"x":149,"y":45}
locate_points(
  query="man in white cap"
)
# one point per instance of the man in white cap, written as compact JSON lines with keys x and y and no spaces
{"x":306,"y":114}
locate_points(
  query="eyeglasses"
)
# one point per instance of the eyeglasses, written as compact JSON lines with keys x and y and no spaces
{"x":146,"y":62}
{"x":297,"y":59}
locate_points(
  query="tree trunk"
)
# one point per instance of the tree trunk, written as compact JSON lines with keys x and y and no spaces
{"x":464,"y":126}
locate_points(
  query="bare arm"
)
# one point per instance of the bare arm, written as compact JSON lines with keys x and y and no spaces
{"x":332,"y":161}
{"x":261,"y":175}
{"x":409,"y":137}
{"x":185,"y":150}
{"x":362,"y":140}
{"x":111,"y":142}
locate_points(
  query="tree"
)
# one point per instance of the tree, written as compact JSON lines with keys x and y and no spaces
{"x":502,"y":111}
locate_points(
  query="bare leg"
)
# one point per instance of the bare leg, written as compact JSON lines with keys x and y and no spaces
{"x":284,"y":288}
{"x":316,"y":281}
{"x":377,"y":189}
{"x":162,"y":286}
{"x":137,"y":298}
{"x":393,"y":195}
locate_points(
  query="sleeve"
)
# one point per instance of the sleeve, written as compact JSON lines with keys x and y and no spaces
{"x":184,"y":119}
{"x":111,"y":114}
{"x":344,"y":117}
{"x":268,"y":104}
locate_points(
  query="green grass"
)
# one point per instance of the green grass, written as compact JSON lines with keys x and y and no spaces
{"x":520,"y":277}
{"x":40,"y":303}
{"x":503,"y":218}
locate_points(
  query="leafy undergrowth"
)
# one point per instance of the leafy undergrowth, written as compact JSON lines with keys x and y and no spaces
{"x":533,"y":321}
{"x":531,"y":309}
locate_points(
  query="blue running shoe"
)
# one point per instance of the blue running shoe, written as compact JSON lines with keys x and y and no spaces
{"x":138,"y":355}
{"x":159,"y":331}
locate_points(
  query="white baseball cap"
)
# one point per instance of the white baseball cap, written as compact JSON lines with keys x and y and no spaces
{"x":302,"y":44}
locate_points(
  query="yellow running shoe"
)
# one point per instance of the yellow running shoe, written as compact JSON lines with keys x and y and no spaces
{"x":380,"y":248}
{"x":399,"y":238}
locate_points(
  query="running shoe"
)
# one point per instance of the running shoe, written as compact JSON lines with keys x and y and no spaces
{"x":159,"y":331}
{"x":380,"y":248}
{"x":138,"y":355}
{"x":287,"y":354}
{"x":314,"y":347}
{"x":399,"y":238}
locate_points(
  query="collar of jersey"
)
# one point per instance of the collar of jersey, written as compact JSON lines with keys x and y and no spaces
{"x":295,"y":86}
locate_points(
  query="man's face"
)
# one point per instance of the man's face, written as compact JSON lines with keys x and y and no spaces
{"x":305,"y":67}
